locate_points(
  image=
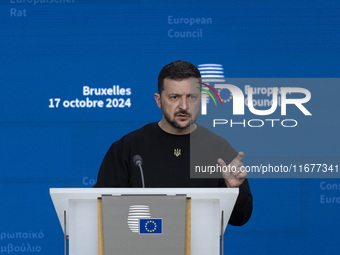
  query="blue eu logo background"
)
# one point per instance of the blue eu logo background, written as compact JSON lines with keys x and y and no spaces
{"x":150,"y":226}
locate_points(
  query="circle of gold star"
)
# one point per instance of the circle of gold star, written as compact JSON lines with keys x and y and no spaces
{"x":154,"y":226}
{"x":225,"y":100}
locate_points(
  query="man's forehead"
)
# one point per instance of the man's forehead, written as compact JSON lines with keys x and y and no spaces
{"x":188,"y":84}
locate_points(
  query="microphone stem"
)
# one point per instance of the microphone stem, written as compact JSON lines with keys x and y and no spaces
{"x":142,"y":175}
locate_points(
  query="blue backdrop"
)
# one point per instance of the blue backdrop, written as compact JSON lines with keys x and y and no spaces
{"x":52,"y":135}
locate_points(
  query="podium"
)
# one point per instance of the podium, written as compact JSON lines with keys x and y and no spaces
{"x":77,"y":211}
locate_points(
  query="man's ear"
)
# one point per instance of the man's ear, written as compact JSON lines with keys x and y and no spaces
{"x":158,"y":100}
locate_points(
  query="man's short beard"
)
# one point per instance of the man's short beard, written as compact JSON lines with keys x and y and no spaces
{"x":174,"y":123}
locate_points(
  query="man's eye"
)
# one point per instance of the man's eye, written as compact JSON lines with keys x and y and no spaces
{"x":173,"y":97}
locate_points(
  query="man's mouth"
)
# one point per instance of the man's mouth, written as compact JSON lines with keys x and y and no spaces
{"x":183,"y":116}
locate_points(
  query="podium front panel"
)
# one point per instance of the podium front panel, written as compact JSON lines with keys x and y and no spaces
{"x":205,"y":229}
{"x":144,"y":225}
{"x":83,"y":227}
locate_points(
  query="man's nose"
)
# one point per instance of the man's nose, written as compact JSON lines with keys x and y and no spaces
{"x":184,"y":103}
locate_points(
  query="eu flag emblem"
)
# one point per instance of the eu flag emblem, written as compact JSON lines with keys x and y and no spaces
{"x":150,"y":226}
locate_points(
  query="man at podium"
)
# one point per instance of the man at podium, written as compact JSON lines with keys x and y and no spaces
{"x":173,"y":147}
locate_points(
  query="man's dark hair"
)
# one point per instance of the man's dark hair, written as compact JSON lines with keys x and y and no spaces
{"x":177,"y":70}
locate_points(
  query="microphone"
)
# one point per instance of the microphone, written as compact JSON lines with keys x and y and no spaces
{"x":137,"y":160}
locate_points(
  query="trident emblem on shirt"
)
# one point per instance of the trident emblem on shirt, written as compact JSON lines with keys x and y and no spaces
{"x":177,"y":152}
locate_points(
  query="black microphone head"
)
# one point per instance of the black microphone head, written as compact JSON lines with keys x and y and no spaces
{"x":137,"y":160}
